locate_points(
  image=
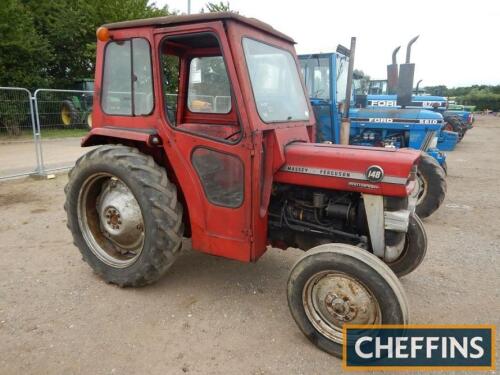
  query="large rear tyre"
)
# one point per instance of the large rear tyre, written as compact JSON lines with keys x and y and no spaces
{"x":414,"y":249}
{"x":454,"y":123}
{"x":430,"y":188}
{"x":334,"y":284}
{"x":124,"y":215}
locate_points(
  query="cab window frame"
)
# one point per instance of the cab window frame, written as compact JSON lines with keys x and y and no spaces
{"x":189,"y":61}
{"x":270,"y":124}
{"x":151,"y":67}
{"x":184,"y":63}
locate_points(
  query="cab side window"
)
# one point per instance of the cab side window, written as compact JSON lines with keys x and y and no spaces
{"x":127,"y":84}
{"x":196,"y":87}
{"x":208,"y":89}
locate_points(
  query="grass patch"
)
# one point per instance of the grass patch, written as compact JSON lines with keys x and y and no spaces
{"x":46,"y":134}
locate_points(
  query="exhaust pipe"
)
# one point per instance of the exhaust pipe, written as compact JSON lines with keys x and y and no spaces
{"x":345,"y":128}
{"x":393,"y":73}
{"x":406,"y":75}
{"x":408,"y":48}
{"x":418,"y":86}
{"x":394,"y":55}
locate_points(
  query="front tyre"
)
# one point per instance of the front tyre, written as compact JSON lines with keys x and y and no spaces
{"x":414,"y":250}
{"x":124,"y":215}
{"x":430,"y":188}
{"x":335,"y":284}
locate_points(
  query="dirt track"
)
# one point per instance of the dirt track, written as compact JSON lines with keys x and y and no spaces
{"x":19,"y":156}
{"x":211,"y":315}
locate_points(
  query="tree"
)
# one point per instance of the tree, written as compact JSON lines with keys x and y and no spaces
{"x":24,"y":54}
{"x":363,"y":79}
{"x":218,"y":7}
{"x":52,"y":42}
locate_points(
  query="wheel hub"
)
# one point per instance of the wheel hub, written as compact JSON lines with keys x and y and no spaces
{"x":332,"y":299}
{"x":340,"y":308}
{"x":120,"y":216}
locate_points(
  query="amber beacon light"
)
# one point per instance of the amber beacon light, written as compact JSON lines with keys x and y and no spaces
{"x":103,"y":34}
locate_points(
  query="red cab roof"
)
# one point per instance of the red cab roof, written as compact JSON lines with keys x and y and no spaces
{"x":195,"y":18}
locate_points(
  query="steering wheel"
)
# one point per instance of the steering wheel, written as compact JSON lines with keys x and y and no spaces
{"x":318,"y":92}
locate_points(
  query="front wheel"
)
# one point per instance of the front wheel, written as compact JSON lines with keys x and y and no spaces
{"x":414,"y":250}
{"x":335,"y":284}
{"x":430,"y":188}
{"x":124,"y":215}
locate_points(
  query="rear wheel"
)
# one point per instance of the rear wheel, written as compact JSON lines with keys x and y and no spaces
{"x":454,"y":123}
{"x":335,"y":284}
{"x":124,"y":215}
{"x":69,"y":114}
{"x":430,"y":188}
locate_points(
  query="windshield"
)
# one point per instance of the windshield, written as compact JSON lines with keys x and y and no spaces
{"x":342,"y":71}
{"x":275,"y":83}
{"x":316,"y":72}
{"x":377,"y":87}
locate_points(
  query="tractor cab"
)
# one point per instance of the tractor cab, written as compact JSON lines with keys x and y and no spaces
{"x":85,"y":84}
{"x":205,"y":131}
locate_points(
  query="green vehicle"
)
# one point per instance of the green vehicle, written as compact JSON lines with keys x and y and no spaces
{"x":76,"y":110}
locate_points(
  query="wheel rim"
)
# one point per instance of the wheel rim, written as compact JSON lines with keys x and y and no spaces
{"x":111,"y":220}
{"x":420,"y":190}
{"x":65,"y":116}
{"x":332,"y":299}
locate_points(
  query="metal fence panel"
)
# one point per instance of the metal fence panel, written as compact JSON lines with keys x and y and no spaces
{"x":19,"y":149}
{"x":63,"y":117}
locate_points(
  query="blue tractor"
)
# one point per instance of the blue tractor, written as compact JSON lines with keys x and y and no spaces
{"x":453,"y":129}
{"x":456,"y":120}
{"x":327,"y":80}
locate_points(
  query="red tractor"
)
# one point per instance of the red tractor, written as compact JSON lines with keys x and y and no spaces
{"x":206,"y":132}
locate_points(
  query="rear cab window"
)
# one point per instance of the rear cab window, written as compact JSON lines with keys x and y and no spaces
{"x":127,"y":84}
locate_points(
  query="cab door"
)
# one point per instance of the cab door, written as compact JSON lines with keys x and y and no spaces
{"x":206,"y":136}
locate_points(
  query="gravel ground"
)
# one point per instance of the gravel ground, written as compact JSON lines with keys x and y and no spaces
{"x":210,"y":315}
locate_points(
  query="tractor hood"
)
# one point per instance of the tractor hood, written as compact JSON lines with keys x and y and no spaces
{"x":396,"y":118}
{"x":417,"y":101}
{"x":386,"y":113}
{"x":350,"y":168}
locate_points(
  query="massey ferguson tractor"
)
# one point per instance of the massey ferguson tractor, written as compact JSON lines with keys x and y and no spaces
{"x":204,"y":130}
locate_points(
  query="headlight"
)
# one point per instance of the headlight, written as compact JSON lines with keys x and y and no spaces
{"x":434,"y":142}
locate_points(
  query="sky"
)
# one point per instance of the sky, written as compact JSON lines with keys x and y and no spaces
{"x":459,"y":42}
